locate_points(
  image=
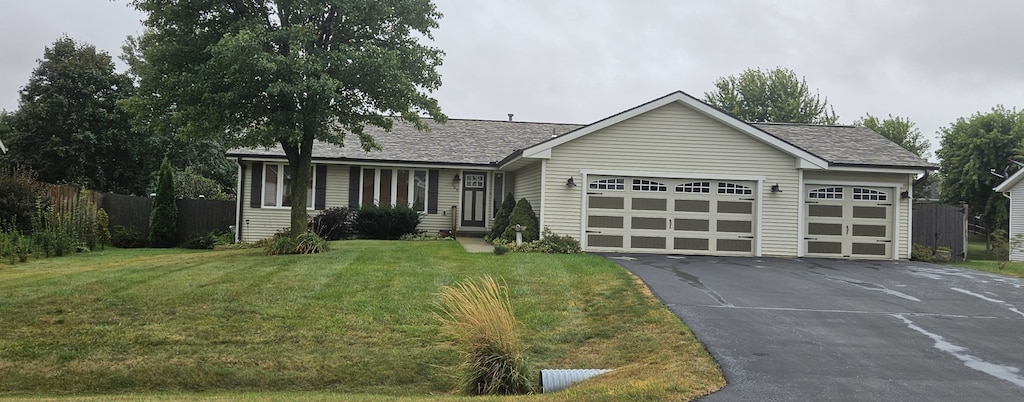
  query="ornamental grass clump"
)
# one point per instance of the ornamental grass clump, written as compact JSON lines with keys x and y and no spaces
{"x":479,"y":317}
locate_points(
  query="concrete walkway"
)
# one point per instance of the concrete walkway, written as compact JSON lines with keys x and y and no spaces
{"x":475,"y":244}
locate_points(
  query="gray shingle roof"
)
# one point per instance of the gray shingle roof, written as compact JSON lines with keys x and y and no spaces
{"x":482,"y":142}
{"x":475,"y":142}
{"x":845,"y":145}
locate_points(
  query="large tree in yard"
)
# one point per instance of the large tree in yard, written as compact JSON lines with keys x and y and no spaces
{"x":776,"y":96}
{"x":971,"y":149}
{"x":287,"y":72}
{"x":70,"y":127}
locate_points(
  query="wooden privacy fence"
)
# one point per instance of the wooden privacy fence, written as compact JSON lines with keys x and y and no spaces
{"x":941,"y":225}
{"x":194,"y":216}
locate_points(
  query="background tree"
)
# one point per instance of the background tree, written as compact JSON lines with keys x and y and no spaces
{"x":776,"y":95}
{"x":971,"y":148}
{"x":69,"y":128}
{"x":265,"y":73}
{"x":904,"y":132}
{"x":163,"y":219}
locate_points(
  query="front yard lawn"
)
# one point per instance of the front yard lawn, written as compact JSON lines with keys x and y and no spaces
{"x":357,"y":322}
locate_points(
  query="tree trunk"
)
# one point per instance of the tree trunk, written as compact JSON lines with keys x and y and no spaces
{"x":300,"y":167}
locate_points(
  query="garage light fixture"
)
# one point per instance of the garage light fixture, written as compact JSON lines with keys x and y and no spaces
{"x":570,"y":182}
{"x":776,"y":188}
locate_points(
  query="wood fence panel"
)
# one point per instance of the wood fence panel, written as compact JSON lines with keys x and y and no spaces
{"x":63,"y":198}
{"x":937,"y":225}
{"x":203,"y":216}
{"x":128,"y":210}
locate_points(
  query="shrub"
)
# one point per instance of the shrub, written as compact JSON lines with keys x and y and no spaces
{"x":523,"y":215}
{"x":310,"y":243}
{"x":500,"y":248}
{"x":921,"y":252}
{"x":204,"y":241}
{"x":480,"y":318}
{"x":126,"y":237}
{"x":163,"y":220}
{"x":386,"y":222}
{"x":19,"y":193}
{"x":501,"y":218}
{"x":334,"y":223}
{"x":283,"y":243}
{"x":102,"y":227}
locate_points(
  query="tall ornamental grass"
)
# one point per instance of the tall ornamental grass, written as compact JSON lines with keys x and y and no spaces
{"x":479,"y":317}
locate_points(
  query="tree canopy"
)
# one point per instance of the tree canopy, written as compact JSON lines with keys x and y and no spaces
{"x":776,"y":95}
{"x":971,"y":149}
{"x":69,"y":127}
{"x":265,"y":73}
{"x":899,"y":130}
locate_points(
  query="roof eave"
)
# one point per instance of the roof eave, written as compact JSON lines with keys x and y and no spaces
{"x":1011,"y":181}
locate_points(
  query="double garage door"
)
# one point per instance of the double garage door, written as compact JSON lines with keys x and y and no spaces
{"x":718,"y":217}
{"x":657,"y":215}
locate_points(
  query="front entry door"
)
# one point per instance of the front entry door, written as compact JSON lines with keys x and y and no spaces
{"x":474,"y":205}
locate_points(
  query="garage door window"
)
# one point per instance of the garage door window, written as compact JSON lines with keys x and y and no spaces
{"x":867,"y":194}
{"x":826,"y":193}
{"x":698,"y":187}
{"x":608,"y":184}
{"x":648,"y":185}
{"x":733,"y":188}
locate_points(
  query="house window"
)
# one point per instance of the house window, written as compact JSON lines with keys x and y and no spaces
{"x":733,"y":188}
{"x":703,"y":187}
{"x":867,"y":194}
{"x":395,"y":187}
{"x":277,"y":186}
{"x":826,"y":193}
{"x":648,"y":185}
{"x":608,"y":184}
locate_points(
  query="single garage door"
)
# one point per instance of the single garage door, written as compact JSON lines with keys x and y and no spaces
{"x":657,"y":215}
{"x":849,"y":221}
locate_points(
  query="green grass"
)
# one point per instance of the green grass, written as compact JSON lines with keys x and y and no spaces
{"x":980,"y":259}
{"x":357,"y":322}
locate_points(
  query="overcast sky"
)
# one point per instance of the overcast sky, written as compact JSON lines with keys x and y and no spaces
{"x":582,"y":60}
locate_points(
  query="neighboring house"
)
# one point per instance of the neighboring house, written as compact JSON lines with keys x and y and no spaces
{"x":1013,"y":188}
{"x":673,"y":175}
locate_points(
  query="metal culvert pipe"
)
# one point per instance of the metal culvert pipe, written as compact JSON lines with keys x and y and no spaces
{"x":559,"y":379}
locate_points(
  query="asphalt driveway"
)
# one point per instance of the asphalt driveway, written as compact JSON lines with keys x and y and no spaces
{"x":817,"y":329}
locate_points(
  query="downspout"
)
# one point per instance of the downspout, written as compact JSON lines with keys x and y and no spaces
{"x":922,"y":179}
{"x":238,"y":200}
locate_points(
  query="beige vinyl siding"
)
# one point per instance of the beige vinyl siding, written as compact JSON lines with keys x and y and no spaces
{"x":896,"y":180}
{"x":527,"y":185}
{"x":1016,"y":220}
{"x":264,"y":222}
{"x":677,"y":140}
{"x":447,"y":197}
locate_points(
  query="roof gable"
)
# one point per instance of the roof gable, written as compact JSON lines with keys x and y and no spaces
{"x":681,"y":97}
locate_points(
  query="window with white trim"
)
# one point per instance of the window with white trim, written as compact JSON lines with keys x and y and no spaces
{"x":648,"y":185}
{"x":395,"y":187}
{"x":277,"y":186}
{"x":867,"y":194}
{"x":474,"y":181}
{"x":826,"y":193}
{"x":608,"y":184}
{"x":703,"y":187}
{"x":733,"y":188}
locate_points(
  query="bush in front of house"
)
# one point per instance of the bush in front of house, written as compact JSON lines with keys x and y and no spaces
{"x":282,"y":243}
{"x":163,"y":219}
{"x":523,"y":215}
{"x":501,"y":218}
{"x":201,"y":241}
{"x":386,"y":222}
{"x":549,"y":243}
{"x":334,"y":223}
